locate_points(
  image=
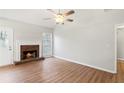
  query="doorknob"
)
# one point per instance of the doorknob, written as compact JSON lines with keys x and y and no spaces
{"x":10,"y":48}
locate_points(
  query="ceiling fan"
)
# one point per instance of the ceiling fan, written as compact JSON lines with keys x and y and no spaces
{"x":59,"y":17}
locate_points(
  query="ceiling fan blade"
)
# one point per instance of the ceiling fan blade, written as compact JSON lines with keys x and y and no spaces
{"x":51,"y":11}
{"x":69,"y":13}
{"x":70,"y":20}
{"x":47,"y":18}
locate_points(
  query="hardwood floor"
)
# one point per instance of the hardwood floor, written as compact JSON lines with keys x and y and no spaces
{"x":53,"y":70}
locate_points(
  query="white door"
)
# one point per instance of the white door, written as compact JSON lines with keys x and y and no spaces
{"x":6,"y":46}
{"x":47,"y":45}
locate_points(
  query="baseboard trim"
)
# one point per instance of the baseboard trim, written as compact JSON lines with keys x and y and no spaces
{"x":120,"y":58}
{"x":74,"y":61}
{"x":5,"y":66}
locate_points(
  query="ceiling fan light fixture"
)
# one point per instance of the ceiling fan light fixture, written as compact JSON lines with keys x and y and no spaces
{"x":59,"y":19}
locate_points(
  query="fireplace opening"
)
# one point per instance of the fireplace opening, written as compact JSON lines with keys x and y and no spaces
{"x":29,"y":52}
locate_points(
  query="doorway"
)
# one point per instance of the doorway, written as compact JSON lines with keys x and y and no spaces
{"x":120,"y":42}
{"x":6,"y":46}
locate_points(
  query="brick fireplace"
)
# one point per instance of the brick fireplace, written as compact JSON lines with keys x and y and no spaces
{"x":29,"y":52}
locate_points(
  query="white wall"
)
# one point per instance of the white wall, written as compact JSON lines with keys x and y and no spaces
{"x":25,"y":34}
{"x":90,"y":39}
{"x":120,"y":44}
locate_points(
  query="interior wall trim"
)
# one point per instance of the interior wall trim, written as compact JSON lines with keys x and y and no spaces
{"x":120,"y":59}
{"x":74,"y":61}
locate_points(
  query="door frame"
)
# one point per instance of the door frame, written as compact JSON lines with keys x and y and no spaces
{"x":117,"y":26}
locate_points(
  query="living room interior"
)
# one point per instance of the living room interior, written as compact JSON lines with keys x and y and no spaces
{"x":61,"y":45}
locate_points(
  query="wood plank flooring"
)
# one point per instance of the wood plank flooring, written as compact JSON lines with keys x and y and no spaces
{"x":53,"y":70}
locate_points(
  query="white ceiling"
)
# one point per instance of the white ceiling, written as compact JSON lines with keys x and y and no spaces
{"x":32,"y":16}
{"x":36,"y":16}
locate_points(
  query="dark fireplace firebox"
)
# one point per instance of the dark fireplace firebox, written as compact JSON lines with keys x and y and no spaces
{"x":29,"y":52}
